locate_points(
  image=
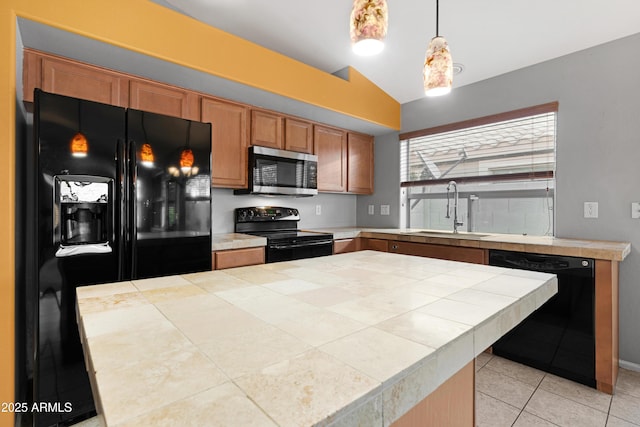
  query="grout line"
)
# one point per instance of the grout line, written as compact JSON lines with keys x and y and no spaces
{"x":529,"y":399}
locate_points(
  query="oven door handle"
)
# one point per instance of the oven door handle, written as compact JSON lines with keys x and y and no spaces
{"x":301,"y":245}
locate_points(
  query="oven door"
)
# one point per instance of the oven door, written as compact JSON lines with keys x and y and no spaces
{"x":287,"y":251}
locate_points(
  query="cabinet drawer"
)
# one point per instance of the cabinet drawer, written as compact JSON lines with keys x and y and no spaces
{"x":237,"y":258}
{"x":452,"y":253}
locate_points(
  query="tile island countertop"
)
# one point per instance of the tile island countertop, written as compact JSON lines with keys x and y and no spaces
{"x":342,"y":340}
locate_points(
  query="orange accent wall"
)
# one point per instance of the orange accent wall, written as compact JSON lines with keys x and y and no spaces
{"x":7,"y":197}
{"x":144,"y":27}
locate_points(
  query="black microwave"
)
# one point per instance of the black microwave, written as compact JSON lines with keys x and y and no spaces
{"x":281,"y":172}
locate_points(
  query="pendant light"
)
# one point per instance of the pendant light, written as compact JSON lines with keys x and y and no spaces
{"x":79,"y":144}
{"x":186,"y":157}
{"x":146,"y":152}
{"x":368,"y":26}
{"x":438,"y":65}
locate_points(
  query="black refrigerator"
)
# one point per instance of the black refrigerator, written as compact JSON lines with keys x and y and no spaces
{"x":119,"y":194}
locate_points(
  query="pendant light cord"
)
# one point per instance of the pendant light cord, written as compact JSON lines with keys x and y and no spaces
{"x":437,"y":15}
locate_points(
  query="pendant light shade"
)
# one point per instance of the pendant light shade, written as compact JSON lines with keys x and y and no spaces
{"x":146,"y":155}
{"x":79,"y":145}
{"x":438,"y":65}
{"x":438,"y":68}
{"x":186,"y":160}
{"x":368,"y":26}
{"x":146,"y":152}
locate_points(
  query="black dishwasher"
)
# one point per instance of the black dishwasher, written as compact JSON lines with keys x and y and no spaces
{"x":559,"y":337}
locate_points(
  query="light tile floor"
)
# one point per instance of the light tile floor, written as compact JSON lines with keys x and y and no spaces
{"x":511,"y":394}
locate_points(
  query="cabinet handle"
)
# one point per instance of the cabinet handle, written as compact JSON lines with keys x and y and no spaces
{"x":394,"y":246}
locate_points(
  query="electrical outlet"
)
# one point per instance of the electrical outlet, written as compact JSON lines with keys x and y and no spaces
{"x":372,"y":209}
{"x":635,"y":210}
{"x":318,"y":209}
{"x":384,"y":209}
{"x":591,"y":209}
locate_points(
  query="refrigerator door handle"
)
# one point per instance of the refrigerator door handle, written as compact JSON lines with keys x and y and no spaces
{"x":120,"y":206}
{"x":132,"y":225}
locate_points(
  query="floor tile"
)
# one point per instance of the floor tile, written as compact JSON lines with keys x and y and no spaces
{"x":492,"y":412}
{"x":516,"y":370}
{"x":628,"y":382}
{"x":526,"y":419}
{"x":577,"y":392}
{"x":504,"y":388}
{"x":617,"y":422}
{"x":564,"y":412}
{"x":482,"y":359}
{"x":626,"y":407}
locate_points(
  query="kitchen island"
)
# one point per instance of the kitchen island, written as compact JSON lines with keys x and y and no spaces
{"x":352,"y":339}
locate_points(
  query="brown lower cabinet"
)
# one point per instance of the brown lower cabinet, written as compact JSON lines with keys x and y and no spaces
{"x":452,"y":404}
{"x":452,"y":253}
{"x":342,"y":246}
{"x":375,"y":245}
{"x":237,"y":258}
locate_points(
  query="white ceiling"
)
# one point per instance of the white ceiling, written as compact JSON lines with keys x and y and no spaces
{"x":488,"y":38}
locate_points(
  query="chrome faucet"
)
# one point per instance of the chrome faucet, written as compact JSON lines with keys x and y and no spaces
{"x":455,"y":205}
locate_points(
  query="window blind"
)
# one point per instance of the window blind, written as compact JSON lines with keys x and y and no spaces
{"x":510,"y":146}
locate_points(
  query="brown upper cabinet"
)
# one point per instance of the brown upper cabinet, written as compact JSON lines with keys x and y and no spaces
{"x":345,"y":160}
{"x":298,"y":135}
{"x":65,"y":77}
{"x":330,"y":145}
{"x":163,"y":99}
{"x":270,"y":129}
{"x":360,"y":163}
{"x":229,"y":141}
{"x":266,"y":129}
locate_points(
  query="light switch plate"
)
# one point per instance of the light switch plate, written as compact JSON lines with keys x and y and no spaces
{"x":635,"y":210}
{"x":591,"y":209}
{"x":318,"y":209}
{"x":372,"y":209}
{"x":384,"y":209}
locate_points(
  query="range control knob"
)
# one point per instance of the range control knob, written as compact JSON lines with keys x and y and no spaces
{"x":242,"y":214}
{"x":251,"y":213}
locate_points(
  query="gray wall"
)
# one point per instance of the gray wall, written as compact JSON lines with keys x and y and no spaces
{"x":598,"y":149}
{"x":337,"y":210}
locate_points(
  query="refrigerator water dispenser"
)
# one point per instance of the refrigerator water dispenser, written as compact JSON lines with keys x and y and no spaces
{"x":83,"y":207}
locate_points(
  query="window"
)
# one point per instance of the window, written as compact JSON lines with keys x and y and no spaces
{"x":503,"y":167}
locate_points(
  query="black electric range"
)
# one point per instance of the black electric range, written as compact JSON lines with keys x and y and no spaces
{"x":285,"y":242}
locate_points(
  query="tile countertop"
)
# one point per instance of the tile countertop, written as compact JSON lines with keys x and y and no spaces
{"x":350,"y":339}
{"x":598,"y":249}
{"x":226,"y":241}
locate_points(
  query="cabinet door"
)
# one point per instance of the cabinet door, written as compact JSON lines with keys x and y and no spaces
{"x":298,"y":135}
{"x":346,"y":245}
{"x":229,"y":142}
{"x":266,"y":129}
{"x":452,"y":253}
{"x":360,"y":168}
{"x":237,"y":258}
{"x":375,"y":245}
{"x":163,"y":99}
{"x":330,"y":145}
{"x":77,"y":80}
